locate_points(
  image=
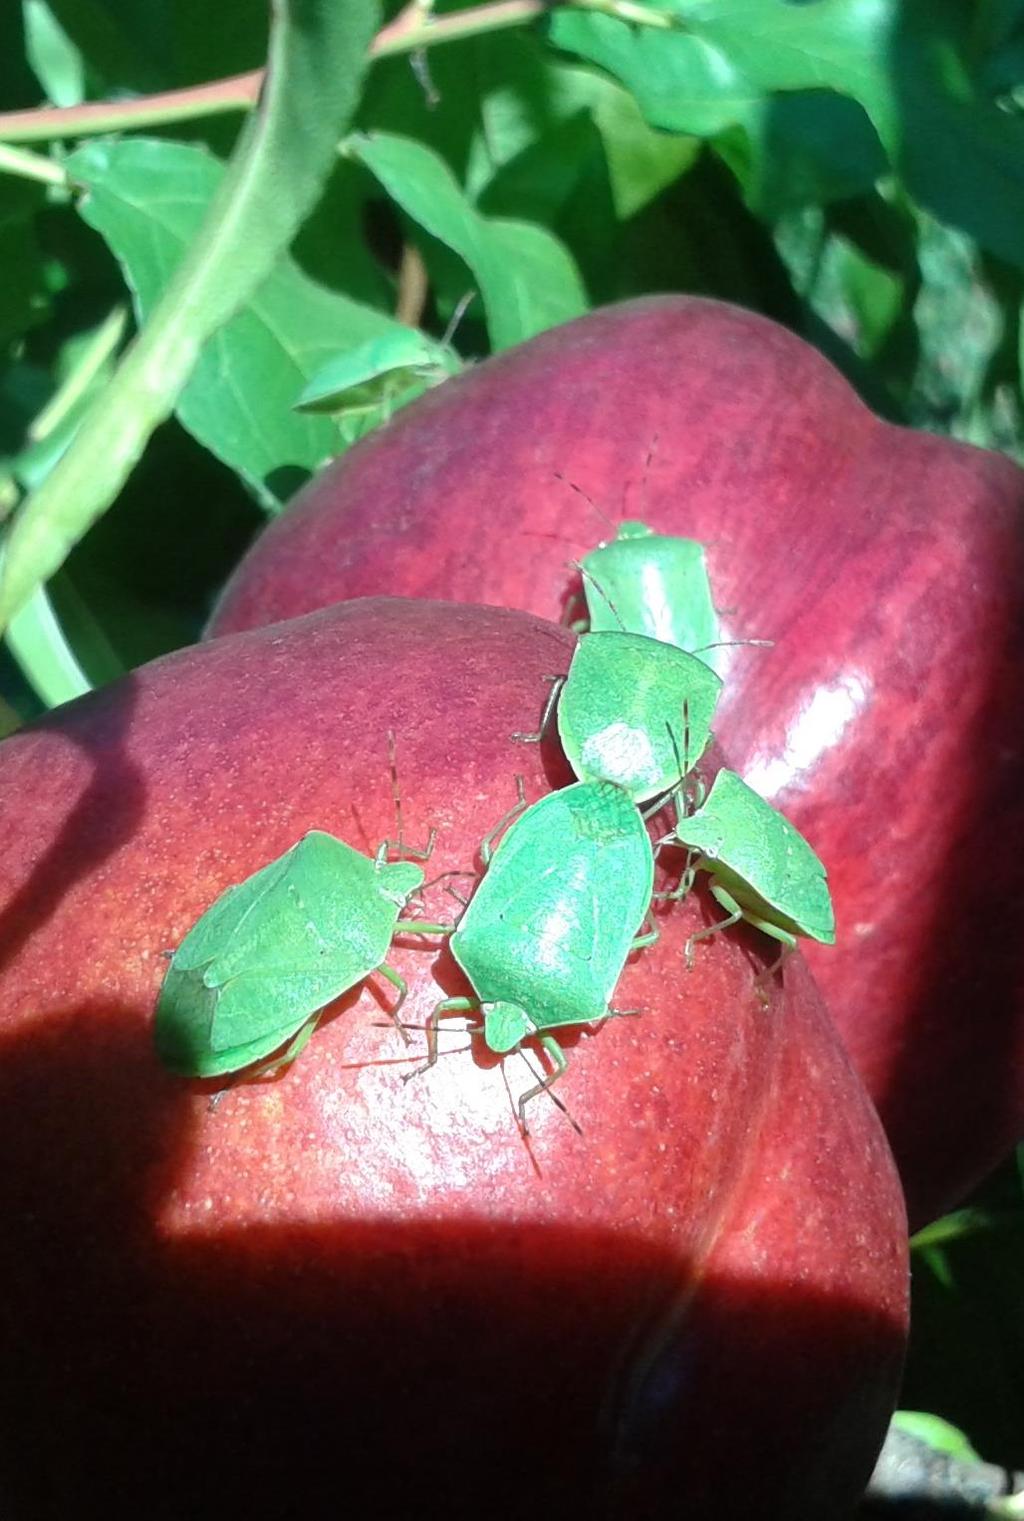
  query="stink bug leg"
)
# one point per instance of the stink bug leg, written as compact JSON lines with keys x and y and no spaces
{"x":649,"y":936}
{"x":557,"y":683}
{"x":735,"y":915}
{"x":398,"y":847}
{"x":446,"y":1006}
{"x":560,"y":1066}
{"x":687,"y":794}
{"x":487,"y":845}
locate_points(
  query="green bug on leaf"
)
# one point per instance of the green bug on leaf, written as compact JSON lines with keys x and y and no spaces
{"x":375,"y":375}
{"x":546,"y":935}
{"x":761,"y":867}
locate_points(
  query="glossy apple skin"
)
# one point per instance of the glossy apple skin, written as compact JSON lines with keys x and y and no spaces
{"x":337,"y":1279}
{"x":887,"y":721}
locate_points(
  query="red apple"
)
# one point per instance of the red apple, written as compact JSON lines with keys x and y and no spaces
{"x":338,"y":1289}
{"x":887,"y":720}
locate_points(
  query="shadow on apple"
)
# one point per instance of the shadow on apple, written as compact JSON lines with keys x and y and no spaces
{"x":395,"y":1370}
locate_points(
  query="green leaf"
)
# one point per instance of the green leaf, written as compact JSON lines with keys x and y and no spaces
{"x":856,"y":267}
{"x":537,"y":140}
{"x":802,"y":149}
{"x":730,"y":54}
{"x":528,"y":100}
{"x":82,"y":366}
{"x":541,"y":180}
{"x":679,"y":84}
{"x":283,"y":154}
{"x":148,"y":199}
{"x":55,"y":60}
{"x":568,"y":148}
{"x":85,"y":45}
{"x":527,"y":278}
{"x":641,"y":162}
{"x":539,"y":286}
{"x":909,"y":63}
{"x":956,"y":1226}
{"x":964,"y":162}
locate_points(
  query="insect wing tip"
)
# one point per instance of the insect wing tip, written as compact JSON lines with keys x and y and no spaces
{"x":185,"y":1013}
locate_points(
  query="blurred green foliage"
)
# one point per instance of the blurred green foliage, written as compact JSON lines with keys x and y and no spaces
{"x":852,"y":168}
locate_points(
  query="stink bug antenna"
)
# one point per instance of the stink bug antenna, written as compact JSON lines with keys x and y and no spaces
{"x":396,"y":796}
{"x":398,"y":1061}
{"x":684,"y":804}
{"x":735,"y":644}
{"x":682,"y":760}
{"x":651,"y":448}
{"x":457,"y":316}
{"x":690,"y":801}
{"x":592,"y":580}
{"x":420,"y":853}
{"x":685,"y":764}
{"x":682,"y":767}
{"x":589,"y":500}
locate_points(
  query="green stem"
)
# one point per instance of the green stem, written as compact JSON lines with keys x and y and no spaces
{"x":31,"y":166}
{"x":36,"y":640}
{"x":415,"y":28}
{"x":35,"y":637}
{"x":99,"y":349}
{"x":409,"y":31}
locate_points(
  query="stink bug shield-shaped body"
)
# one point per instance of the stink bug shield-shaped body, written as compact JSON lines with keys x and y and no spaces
{"x":546,"y":934}
{"x":272,"y":952}
{"x":621,"y":711}
{"x":642,"y":582}
{"x":761,"y":867}
{"x":376,"y":373}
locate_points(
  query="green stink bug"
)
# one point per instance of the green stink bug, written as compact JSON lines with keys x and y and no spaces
{"x":620,"y":706}
{"x":264,"y":961}
{"x":644,"y":582}
{"x":376,"y":374}
{"x":761,"y":867}
{"x":651,"y":583}
{"x":546,"y":934}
